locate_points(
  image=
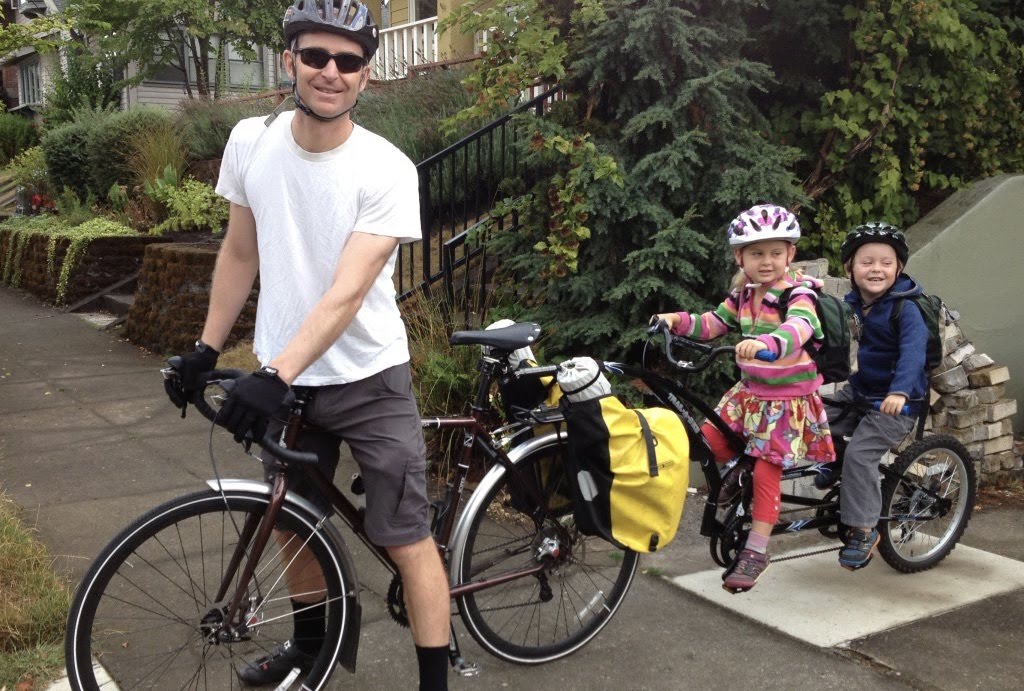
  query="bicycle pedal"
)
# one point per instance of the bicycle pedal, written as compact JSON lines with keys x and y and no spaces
{"x":465,"y":669}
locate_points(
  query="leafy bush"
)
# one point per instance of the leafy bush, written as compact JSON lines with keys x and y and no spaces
{"x":206,"y":124}
{"x":16,"y":135}
{"x":67,"y":163}
{"x":109,"y":145}
{"x":83,"y":82}
{"x":408,"y":113}
{"x":193,"y":205}
{"x":29,"y":171}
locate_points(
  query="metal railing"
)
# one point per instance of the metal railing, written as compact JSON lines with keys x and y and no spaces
{"x":458,"y":189}
{"x":405,"y":46}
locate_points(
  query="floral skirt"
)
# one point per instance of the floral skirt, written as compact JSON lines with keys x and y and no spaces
{"x":784,"y":432}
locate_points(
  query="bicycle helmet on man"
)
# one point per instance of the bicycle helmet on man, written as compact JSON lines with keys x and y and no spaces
{"x":763,"y":222}
{"x":348,"y":18}
{"x":875,"y":231}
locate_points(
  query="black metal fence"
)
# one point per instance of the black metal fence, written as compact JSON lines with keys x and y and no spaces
{"x":458,"y":189}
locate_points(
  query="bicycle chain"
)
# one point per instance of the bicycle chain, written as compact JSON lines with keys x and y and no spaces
{"x":806,"y":554}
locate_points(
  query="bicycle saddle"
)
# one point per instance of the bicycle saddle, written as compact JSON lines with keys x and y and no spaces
{"x":507,"y":338}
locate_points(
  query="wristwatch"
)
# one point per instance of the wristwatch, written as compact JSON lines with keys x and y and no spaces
{"x":268,"y":370}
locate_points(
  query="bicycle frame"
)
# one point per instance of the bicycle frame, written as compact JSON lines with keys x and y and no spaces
{"x":257,"y":532}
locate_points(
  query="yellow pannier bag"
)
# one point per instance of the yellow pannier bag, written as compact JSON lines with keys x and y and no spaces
{"x":632,"y":470}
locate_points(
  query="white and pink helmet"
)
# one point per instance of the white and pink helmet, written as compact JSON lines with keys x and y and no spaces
{"x":763,"y":222}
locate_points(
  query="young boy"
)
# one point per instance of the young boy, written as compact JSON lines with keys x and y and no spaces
{"x":891,"y":370}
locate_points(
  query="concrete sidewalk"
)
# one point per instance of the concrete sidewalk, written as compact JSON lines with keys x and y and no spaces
{"x":88,"y":441}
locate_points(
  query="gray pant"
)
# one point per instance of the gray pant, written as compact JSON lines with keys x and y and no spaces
{"x":871,"y":435}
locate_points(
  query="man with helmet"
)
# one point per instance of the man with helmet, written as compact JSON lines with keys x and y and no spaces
{"x":890,"y":372}
{"x":318,"y":208}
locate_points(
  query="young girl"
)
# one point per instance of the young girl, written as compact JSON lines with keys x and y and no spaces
{"x":775,"y":405}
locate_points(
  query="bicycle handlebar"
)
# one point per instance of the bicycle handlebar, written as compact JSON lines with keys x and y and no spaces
{"x":225,"y":379}
{"x":670,"y":340}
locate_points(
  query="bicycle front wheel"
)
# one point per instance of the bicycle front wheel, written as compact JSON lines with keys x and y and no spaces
{"x":541,"y":617}
{"x":928,"y":505}
{"x":148,"y":614}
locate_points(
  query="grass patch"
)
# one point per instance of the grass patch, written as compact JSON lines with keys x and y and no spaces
{"x":34,"y":604}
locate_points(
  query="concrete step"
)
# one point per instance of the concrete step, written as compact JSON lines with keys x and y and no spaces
{"x":116,"y":303}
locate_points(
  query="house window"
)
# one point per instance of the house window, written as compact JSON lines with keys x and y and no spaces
{"x":29,"y":90}
{"x":424,"y":9}
{"x":245,"y":73}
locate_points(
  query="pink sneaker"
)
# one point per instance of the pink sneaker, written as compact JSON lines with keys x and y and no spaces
{"x":749,"y":567}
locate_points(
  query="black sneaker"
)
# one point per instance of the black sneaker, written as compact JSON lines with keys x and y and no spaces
{"x":275,"y":665}
{"x":859,"y":548}
{"x":734,"y":481}
{"x":828,"y":475}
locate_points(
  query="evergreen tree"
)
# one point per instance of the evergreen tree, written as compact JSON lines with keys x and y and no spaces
{"x":660,"y":88}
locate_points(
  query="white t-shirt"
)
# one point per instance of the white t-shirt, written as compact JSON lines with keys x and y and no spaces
{"x":306,"y":205}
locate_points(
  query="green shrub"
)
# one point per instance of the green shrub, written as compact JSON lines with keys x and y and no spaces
{"x":29,"y":171}
{"x":16,"y":135}
{"x":67,"y":164}
{"x":109,"y":146}
{"x":408,"y":113}
{"x":193,"y":205}
{"x":84,"y":82}
{"x":206,"y":124}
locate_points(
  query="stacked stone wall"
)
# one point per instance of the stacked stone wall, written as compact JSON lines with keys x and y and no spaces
{"x":968,"y":394}
{"x":105,"y":262}
{"x":172,"y":298}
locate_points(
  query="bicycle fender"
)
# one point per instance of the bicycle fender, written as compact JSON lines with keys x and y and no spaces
{"x":350,"y":635}
{"x":458,"y":542}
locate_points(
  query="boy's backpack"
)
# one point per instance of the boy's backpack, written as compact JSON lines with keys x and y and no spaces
{"x":936,"y":316}
{"x":832,"y":356}
{"x":631,"y":471}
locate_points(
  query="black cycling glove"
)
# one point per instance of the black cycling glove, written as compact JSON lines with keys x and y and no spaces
{"x":191,"y":368}
{"x":252,"y":400}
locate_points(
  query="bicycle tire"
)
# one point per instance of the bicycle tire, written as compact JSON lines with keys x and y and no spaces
{"x":137,"y":620}
{"x":537,"y":619}
{"x":944,"y":466}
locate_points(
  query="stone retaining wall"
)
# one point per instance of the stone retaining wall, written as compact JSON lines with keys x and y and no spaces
{"x":105,"y":262}
{"x":173,"y":295}
{"x":968,"y":395}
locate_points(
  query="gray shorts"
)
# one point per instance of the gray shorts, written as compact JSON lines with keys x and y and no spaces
{"x":379,"y":420}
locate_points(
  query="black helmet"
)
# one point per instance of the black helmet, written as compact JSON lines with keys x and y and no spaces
{"x":348,"y":18}
{"x":875,"y":231}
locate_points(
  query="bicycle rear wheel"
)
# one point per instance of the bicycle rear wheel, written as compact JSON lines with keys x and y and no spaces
{"x":546,"y":616}
{"x":146,"y":615}
{"x":925,"y":526}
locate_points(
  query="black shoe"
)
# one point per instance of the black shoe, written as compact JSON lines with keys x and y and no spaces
{"x":275,"y":665}
{"x":828,"y":475}
{"x":734,"y":481}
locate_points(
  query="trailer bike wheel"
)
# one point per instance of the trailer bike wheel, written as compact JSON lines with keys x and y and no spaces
{"x":926,"y":508}
{"x":148,"y":614}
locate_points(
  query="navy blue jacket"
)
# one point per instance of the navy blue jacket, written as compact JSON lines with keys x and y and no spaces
{"x":889,"y":362}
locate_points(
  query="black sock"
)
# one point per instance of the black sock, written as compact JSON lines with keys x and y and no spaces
{"x":310,"y":624}
{"x":433,"y":668}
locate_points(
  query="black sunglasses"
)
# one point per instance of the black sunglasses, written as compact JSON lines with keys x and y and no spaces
{"x":317,"y":58}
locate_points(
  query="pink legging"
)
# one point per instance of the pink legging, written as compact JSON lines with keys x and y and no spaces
{"x":767,"y":477}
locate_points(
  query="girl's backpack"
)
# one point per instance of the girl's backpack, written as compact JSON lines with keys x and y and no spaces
{"x":832,"y":353}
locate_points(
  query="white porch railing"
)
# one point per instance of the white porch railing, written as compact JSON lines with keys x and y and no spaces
{"x":405,"y":46}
